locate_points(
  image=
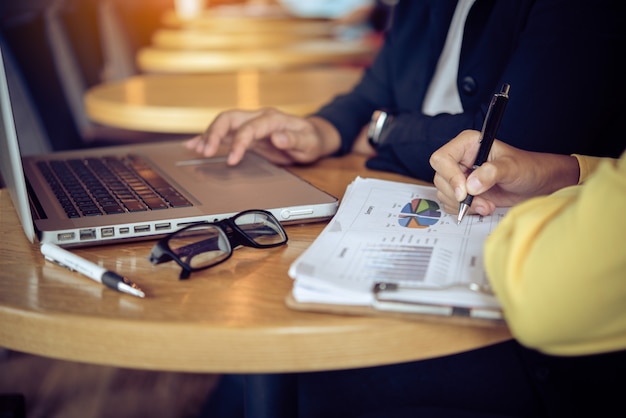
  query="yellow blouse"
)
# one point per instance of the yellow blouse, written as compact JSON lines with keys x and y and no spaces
{"x":558,"y":264}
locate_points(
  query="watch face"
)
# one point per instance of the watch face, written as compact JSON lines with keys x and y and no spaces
{"x":377,"y":123}
{"x":378,"y":128}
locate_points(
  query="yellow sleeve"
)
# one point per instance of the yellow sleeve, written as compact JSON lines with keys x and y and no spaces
{"x":587,"y":165}
{"x":558,"y":265}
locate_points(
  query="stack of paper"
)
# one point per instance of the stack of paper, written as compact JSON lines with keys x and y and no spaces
{"x":391,"y":246}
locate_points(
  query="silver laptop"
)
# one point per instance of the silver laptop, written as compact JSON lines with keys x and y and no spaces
{"x":112,"y":194}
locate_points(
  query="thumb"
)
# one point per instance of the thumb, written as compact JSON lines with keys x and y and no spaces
{"x":298,"y":145}
{"x":281,"y":140}
{"x":482,"y":179}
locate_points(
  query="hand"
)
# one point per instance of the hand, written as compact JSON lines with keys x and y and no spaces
{"x":282,"y":138}
{"x":510,"y":175}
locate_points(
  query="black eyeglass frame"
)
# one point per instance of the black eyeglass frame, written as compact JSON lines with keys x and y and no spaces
{"x":233,"y":234}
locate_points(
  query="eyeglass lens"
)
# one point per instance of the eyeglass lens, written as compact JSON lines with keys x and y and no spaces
{"x":204,"y":245}
{"x":200,"y":245}
{"x":260,"y":228}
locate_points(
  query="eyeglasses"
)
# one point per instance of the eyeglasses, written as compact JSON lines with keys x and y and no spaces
{"x":201,"y":245}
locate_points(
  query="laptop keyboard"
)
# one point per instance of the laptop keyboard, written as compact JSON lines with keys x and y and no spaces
{"x":109,"y":185}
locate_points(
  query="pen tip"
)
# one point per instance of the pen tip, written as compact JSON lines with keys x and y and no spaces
{"x":136,"y":291}
{"x":131,"y":289}
{"x":463,"y":208}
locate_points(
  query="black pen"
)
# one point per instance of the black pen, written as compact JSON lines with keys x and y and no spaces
{"x":487,"y":135}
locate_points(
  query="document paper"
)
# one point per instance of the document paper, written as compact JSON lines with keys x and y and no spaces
{"x":398,"y":233}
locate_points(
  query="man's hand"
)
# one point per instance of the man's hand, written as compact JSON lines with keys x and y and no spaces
{"x":280,"y":137}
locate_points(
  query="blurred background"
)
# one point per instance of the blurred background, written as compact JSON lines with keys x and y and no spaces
{"x":86,"y":73}
{"x":56,"y":50}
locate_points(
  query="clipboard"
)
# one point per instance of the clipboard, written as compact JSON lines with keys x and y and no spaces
{"x":398,"y":311}
{"x":391,"y":250}
{"x":389,"y":297}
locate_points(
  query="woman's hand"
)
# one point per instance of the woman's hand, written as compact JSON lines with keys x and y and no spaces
{"x":509,"y":176}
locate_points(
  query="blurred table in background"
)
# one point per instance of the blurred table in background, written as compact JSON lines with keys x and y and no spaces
{"x":298,"y":54}
{"x":286,"y":25}
{"x":221,"y":40}
{"x":188,"y":103}
{"x":249,"y":36}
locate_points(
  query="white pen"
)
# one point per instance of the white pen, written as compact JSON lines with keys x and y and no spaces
{"x":73,"y":262}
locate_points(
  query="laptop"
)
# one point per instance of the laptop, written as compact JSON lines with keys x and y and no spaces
{"x":141,"y":191}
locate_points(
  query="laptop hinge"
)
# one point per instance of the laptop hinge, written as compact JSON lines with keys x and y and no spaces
{"x":36,"y":209}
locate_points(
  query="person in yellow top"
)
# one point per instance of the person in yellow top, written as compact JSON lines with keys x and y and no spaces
{"x":557,"y":262}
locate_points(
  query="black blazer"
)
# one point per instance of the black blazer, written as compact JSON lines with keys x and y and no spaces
{"x":562,"y":58}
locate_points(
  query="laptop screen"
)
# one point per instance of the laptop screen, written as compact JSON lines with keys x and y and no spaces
{"x":10,"y":159}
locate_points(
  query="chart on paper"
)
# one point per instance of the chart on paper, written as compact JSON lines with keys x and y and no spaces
{"x":419,"y":213}
{"x":393,"y":233}
{"x":396,"y":263}
{"x":400,"y":258}
{"x":384,"y":208}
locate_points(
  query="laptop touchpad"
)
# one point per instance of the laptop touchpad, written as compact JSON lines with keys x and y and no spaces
{"x":217,"y":169}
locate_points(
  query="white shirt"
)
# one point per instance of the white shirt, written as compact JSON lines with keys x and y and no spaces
{"x":443,"y":94}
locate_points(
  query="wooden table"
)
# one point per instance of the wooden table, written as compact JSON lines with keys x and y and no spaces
{"x":188,"y":103}
{"x":284,"y":25}
{"x":305,"y":53}
{"x":231,"y":318}
{"x":222,"y":40}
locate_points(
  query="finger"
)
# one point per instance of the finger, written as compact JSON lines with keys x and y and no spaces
{"x":468,"y":142}
{"x":445,"y":192}
{"x":450,"y":176}
{"x":200,"y":143}
{"x":499,"y":171}
{"x":451,"y":208}
{"x":301,"y":145}
{"x":219,"y":131}
{"x":192,"y":143}
{"x":268,"y":122}
{"x":454,"y":160}
{"x":271,"y":153}
{"x":243,"y":139}
{"x":479,"y":205}
{"x":482,"y":206}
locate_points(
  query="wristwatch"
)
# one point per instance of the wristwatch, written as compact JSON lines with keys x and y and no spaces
{"x":378,"y":129}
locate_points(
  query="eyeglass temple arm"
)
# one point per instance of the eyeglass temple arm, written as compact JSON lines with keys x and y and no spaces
{"x":158,"y":256}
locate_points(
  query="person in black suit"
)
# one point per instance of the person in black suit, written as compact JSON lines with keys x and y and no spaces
{"x":560,"y":57}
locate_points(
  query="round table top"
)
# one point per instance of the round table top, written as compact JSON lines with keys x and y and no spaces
{"x":231,"y":318}
{"x":304,"y":53}
{"x":179,"y":103}
{"x":284,"y":25}
{"x":204,"y":39}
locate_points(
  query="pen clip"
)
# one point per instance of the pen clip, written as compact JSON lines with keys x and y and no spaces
{"x":492,"y":123}
{"x":505,"y":90}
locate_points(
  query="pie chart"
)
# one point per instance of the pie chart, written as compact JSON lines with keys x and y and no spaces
{"x":419,"y":213}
